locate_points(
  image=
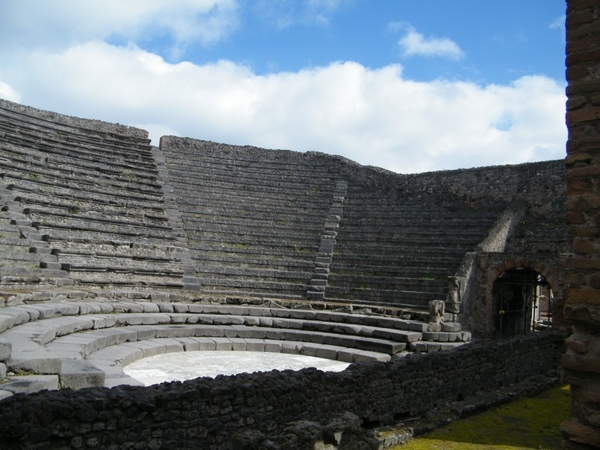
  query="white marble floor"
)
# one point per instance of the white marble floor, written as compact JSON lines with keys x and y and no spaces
{"x":190,"y":365}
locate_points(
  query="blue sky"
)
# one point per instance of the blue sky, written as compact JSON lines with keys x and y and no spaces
{"x":410,"y":86}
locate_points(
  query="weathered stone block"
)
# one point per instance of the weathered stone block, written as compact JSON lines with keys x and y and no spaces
{"x":77,"y":374}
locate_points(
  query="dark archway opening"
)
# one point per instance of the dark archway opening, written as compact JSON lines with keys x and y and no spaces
{"x":523,"y":302}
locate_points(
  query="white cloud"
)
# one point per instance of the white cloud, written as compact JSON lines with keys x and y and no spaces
{"x":414,"y":43}
{"x":8,"y":93}
{"x":371,"y":116}
{"x":59,"y":23}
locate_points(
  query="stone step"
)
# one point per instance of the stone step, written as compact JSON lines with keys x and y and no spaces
{"x":54,"y":236}
{"x":60,"y":125}
{"x":19,"y":160}
{"x":25,"y":191}
{"x":411,"y":270}
{"x":77,"y":218}
{"x":90,"y":183}
{"x":449,"y":241}
{"x":397,"y":297}
{"x":235,"y":260}
{"x":54,"y":225}
{"x":136,"y":280}
{"x":57,"y":153}
{"x":232,"y":273}
{"x":124,"y":249}
{"x":310,"y":216}
{"x":258,"y":224}
{"x":52,"y":186}
{"x":259,"y":235}
{"x":124,"y":150}
{"x":431,"y":347}
{"x":309,"y":181}
{"x":239,"y":193}
{"x":111,"y":264}
{"x":254,"y":244}
{"x":92,"y":212}
{"x":399,"y":231}
{"x":437,"y":286}
{"x":295,"y":287}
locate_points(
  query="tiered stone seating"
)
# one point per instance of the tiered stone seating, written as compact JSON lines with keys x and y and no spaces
{"x":91,"y":192}
{"x":26,"y":258}
{"x":401,"y":251}
{"x":89,"y":343}
{"x":253,"y":217}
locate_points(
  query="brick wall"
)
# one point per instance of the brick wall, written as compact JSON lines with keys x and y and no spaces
{"x":582,"y":279}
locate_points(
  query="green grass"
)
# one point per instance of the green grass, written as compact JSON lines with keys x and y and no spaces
{"x":529,"y":423}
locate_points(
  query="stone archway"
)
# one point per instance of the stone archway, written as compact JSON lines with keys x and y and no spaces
{"x":519,"y":305}
{"x":525,"y":296}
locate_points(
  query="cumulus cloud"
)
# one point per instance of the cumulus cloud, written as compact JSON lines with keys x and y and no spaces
{"x":60,"y":23}
{"x":414,"y":43}
{"x":373,"y":116}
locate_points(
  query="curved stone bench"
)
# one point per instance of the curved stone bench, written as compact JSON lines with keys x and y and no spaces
{"x":86,"y":346}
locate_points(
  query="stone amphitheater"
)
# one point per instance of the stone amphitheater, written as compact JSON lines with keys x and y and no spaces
{"x":115,"y":250}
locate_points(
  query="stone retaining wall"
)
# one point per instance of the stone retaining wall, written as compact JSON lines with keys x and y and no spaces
{"x":210,"y":413}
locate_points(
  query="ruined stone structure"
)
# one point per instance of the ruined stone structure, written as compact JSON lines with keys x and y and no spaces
{"x":582,"y":282}
{"x":115,"y":250}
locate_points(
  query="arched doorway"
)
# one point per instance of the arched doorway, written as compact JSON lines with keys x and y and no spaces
{"x":523,"y":301}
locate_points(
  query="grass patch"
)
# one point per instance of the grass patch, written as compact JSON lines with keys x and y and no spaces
{"x":529,"y":423}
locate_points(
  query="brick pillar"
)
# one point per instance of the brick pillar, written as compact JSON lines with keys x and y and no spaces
{"x":581,"y":362}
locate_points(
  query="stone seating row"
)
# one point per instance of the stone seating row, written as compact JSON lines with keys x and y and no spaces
{"x":242,"y":156}
{"x":228,"y":251}
{"x":205,"y":211}
{"x":96,"y":157}
{"x":249,"y":169}
{"x":15,"y":157}
{"x":27,"y":313}
{"x":380,"y":211}
{"x":61,"y":123}
{"x":64,"y":179}
{"x":81,"y":136}
{"x":300,"y":225}
{"x":229,"y":287}
{"x":111,"y":361}
{"x":423,"y":284}
{"x":413,"y":301}
{"x":415,"y":267}
{"x":309,"y":179}
{"x":28,"y":183}
{"x":46,"y":338}
{"x":60,"y":196}
{"x":61,"y":208}
{"x":258,"y":260}
{"x":256,"y":234}
{"x":247,"y":196}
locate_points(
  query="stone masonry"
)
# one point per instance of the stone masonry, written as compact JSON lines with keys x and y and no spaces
{"x":582,"y":284}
